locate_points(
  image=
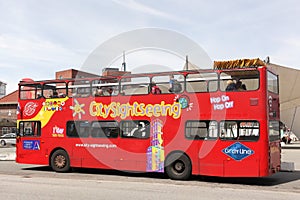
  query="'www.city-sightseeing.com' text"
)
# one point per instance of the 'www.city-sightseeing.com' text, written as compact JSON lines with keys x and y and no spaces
{"x":107,"y":146}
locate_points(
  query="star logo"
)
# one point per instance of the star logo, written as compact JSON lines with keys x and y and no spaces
{"x":77,"y":109}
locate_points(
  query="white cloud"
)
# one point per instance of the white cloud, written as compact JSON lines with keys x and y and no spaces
{"x":28,"y":57}
{"x":38,"y":38}
{"x":143,"y":8}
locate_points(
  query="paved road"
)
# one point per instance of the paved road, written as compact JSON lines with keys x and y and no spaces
{"x":18,"y":181}
{"x":31,"y":188}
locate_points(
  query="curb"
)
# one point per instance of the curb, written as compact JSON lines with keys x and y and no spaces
{"x":287,"y":167}
{"x":8,"y":156}
{"x":291,"y":147}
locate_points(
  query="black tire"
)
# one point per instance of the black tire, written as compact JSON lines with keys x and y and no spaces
{"x":178,"y":166}
{"x":3,"y":143}
{"x":60,"y":161}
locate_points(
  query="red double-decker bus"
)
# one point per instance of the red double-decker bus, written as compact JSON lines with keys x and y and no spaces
{"x":219,"y":122}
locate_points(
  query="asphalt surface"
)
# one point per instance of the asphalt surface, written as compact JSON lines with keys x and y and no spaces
{"x":40,"y":182}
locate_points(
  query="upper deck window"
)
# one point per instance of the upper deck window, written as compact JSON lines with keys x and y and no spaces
{"x":202,"y":82}
{"x":135,"y":85}
{"x":30,"y":91}
{"x":107,"y":87}
{"x":272,"y":82}
{"x":79,"y":88}
{"x":55,"y":90}
{"x":170,"y":83}
{"x":241,"y":80}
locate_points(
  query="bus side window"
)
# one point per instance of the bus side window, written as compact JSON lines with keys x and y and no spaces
{"x":30,"y":91}
{"x":84,"y":129}
{"x":202,"y":82}
{"x":55,"y":90}
{"x":105,"y":129}
{"x":201,"y":129}
{"x":30,"y":128}
{"x":72,"y":130}
{"x":241,"y":80}
{"x":228,"y":130}
{"x":79,"y":88}
{"x":135,"y":129}
{"x":135,"y":85}
{"x":169,"y":83}
{"x":239,"y":130}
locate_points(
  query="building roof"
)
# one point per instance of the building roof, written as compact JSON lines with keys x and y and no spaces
{"x":11,"y":98}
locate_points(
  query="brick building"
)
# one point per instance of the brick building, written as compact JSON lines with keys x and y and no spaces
{"x":8,"y":113}
{"x":73,"y":73}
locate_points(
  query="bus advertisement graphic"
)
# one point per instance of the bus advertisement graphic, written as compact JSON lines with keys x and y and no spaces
{"x":238,"y":151}
{"x":155,"y":152}
{"x":31,"y":144}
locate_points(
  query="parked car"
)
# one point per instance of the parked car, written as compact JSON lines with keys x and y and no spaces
{"x":8,"y":138}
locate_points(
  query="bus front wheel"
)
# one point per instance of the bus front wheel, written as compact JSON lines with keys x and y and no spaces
{"x":60,"y":161}
{"x":178,"y":166}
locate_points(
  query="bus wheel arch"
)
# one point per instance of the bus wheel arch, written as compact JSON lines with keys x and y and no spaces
{"x":60,"y":160}
{"x":178,"y":165}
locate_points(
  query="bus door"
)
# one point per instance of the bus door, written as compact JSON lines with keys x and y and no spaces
{"x":208,"y":142}
{"x":29,"y":143}
{"x":274,"y":116}
{"x":133,"y":145}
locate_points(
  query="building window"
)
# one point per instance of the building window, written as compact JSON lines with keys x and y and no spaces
{"x":4,"y":130}
{"x":2,"y":89}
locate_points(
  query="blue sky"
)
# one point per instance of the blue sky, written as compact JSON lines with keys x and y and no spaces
{"x":39,"y":37}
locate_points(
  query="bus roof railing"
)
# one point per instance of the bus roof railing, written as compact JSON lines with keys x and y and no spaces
{"x":218,"y":65}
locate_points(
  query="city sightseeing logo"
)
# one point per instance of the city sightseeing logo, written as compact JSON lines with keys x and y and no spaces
{"x":30,"y":108}
{"x":116,"y":109}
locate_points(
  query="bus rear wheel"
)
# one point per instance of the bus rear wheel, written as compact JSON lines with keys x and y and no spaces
{"x":60,"y":161}
{"x":178,"y":166}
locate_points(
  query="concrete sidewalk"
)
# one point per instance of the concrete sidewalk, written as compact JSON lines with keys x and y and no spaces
{"x":7,"y":153}
{"x":293,"y":145}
